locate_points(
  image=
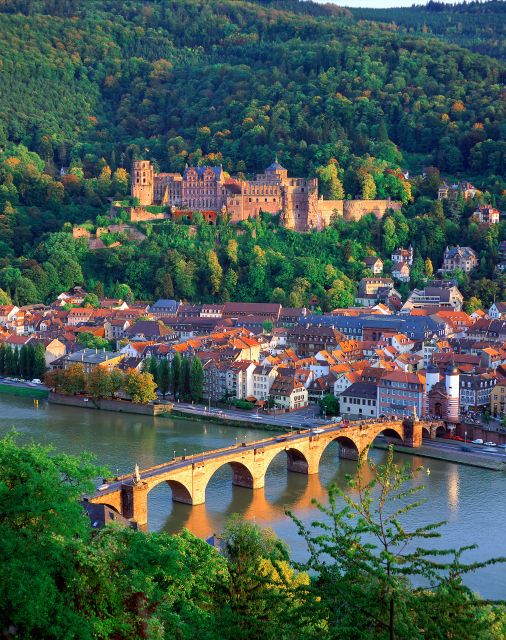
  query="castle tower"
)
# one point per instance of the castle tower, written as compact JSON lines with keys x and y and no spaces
{"x":452,"y":385}
{"x":143,"y":180}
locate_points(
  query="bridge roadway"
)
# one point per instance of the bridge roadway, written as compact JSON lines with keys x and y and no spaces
{"x":188,"y":476}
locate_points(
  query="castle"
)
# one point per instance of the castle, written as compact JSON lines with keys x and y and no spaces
{"x":210,"y":190}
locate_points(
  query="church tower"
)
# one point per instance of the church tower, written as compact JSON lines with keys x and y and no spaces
{"x":143,"y":180}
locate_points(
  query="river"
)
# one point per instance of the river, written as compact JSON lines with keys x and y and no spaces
{"x":471,"y":500}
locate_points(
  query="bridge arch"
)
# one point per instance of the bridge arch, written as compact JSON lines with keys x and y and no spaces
{"x":242,"y":475}
{"x":296,"y":459}
{"x":348,"y":447}
{"x":180,"y":492}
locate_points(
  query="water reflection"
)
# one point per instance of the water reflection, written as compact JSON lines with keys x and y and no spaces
{"x":473,"y":500}
{"x":453,"y":488}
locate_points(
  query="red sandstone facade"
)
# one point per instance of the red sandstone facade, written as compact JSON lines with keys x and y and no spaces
{"x":273,"y":191}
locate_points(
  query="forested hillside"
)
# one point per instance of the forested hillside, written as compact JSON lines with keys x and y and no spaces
{"x":234,"y":82}
{"x":479,"y":26}
{"x":90,"y":85}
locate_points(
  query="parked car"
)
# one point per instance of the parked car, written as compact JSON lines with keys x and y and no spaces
{"x":501,"y":446}
{"x":316,"y":431}
{"x":478,"y":441}
{"x":36,"y":381}
{"x":490,"y":444}
{"x":458,"y":438}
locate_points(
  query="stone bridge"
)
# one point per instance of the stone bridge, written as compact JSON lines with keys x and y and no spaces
{"x":188,"y":476}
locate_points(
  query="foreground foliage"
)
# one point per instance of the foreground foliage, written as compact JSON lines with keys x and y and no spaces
{"x":58,"y":579}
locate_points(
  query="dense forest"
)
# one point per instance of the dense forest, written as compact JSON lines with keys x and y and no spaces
{"x":476,"y":25}
{"x":60,"y":578}
{"x":235,"y":82}
{"x":89,"y":86}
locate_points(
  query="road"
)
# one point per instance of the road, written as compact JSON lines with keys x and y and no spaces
{"x":476,"y":448}
{"x":298,"y":419}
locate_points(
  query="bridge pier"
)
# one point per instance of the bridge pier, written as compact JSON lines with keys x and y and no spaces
{"x":134,"y":503}
{"x":412,"y":433}
{"x":348,"y":453}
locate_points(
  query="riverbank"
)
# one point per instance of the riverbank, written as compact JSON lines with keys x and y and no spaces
{"x":457,"y":456}
{"x":119,"y":406}
{"x":23,"y":391}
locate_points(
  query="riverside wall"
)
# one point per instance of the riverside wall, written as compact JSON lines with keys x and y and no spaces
{"x":121,"y":406}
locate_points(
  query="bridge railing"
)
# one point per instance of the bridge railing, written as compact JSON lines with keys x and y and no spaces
{"x":195,"y":456}
{"x":271,"y":440}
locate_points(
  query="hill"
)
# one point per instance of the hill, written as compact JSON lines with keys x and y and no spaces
{"x":234,"y":82}
{"x":478,"y":26}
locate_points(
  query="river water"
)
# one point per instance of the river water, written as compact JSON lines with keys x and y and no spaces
{"x":471,"y":500}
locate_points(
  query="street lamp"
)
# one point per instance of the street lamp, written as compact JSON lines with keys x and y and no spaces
{"x":465,"y":437}
{"x":174,"y":454}
{"x":184,"y":454}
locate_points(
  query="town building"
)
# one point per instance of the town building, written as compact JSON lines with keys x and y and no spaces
{"x":462,"y":188}
{"x":359,"y":400}
{"x":288,"y":393}
{"x":399,"y":393}
{"x":462,"y":258}
{"x":486,"y":215}
{"x":497,"y":311}
{"x":93,"y":358}
{"x":403,"y":255}
{"x":374,"y":264}
{"x":476,"y":390}
{"x":498,"y":398}
{"x":444,"y":295}
{"x":401,"y":271}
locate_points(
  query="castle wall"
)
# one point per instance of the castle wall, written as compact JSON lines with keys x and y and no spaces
{"x":327,"y":208}
{"x":272,"y":192}
{"x":357,"y":209}
{"x":139,"y":214}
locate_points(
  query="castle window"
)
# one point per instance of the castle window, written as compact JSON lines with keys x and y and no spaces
{"x":302,"y":189}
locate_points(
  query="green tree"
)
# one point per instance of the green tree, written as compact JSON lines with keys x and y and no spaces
{"x":98,"y":383}
{"x":3,"y":351}
{"x":4,"y":297}
{"x":429,"y":269}
{"x":175,"y":366}
{"x":185,"y":378}
{"x":329,"y":184}
{"x":74,"y":379}
{"x":196,"y":379}
{"x":9,"y":367}
{"x":23,"y":362}
{"x":39,"y":361}
{"x":164,"y":375}
{"x":329,"y":405}
{"x":472,"y":305}
{"x":368,"y":187}
{"x":116,"y":381}
{"x":252,"y":603}
{"x":89,"y":341}
{"x":41,"y":527}
{"x":141,"y":387}
{"x":91,"y":300}
{"x":215,"y":271}
{"x":153,"y":367}
{"x":362,"y":557}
